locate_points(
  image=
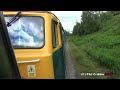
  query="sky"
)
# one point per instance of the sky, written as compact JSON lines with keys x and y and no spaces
{"x":68,"y":18}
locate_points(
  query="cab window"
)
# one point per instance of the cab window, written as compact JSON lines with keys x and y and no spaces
{"x":27,"y":32}
{"x":55,"y":39}
{"x":61,"y":33}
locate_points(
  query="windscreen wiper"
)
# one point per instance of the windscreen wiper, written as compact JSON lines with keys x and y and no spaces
{"x":14,"y":19}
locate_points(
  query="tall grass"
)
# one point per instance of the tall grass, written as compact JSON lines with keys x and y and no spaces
{"x":104,"y":45}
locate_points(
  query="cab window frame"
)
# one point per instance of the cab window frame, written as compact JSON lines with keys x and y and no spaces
{"x":43,"y":31}
{"x":61,"y":33}
{"x":55,"y":38}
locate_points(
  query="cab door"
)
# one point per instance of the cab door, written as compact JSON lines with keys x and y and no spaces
{"x":8,"y":65}
{"x":58,"y":56}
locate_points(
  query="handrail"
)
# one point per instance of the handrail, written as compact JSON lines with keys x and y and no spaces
{"x":30,"y":61}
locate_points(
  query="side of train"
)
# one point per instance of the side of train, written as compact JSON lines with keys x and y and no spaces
{"x":38,"y":42}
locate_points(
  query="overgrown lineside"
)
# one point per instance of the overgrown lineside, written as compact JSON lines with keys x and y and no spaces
{"x":98,"y":35}
{"x":84,"y":63}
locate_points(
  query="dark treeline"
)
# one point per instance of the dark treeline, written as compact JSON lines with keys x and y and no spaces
{"x":66,"y":33}
{"x":91,"y":21}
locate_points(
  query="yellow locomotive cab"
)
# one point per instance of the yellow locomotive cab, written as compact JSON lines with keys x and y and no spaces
{"x":38,"y":54}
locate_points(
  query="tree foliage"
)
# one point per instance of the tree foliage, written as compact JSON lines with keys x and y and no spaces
{"x":91,"y":21}
{"x":76,"y":28}
{"x":67,"y":33}
{"x":114,"y":12}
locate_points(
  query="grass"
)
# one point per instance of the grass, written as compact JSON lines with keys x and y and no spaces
{"x":100,"y":51}
{"x":84,"y":63}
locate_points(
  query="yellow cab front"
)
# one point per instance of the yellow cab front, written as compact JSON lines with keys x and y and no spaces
{"x":31,"y":39}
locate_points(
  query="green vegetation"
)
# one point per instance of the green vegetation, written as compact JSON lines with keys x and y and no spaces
{"x":98,"y":50}
{"x":85,"y":63}
{"x":67,"y":33}
{"x":91,"y":21}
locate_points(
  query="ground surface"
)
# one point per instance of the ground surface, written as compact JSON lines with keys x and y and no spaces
{"x":70,"y":70}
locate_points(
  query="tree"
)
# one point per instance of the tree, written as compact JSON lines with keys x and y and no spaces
{"x":91,"y":21}
{"x":76,"y":29}
{"x":115,"y":12}
{"x":104,"y":16}
{"x":66,"y":33}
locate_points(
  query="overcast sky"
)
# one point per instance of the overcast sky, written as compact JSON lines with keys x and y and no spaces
{"x":68,"y":18}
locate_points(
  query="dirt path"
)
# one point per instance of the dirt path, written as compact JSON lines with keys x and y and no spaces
{"x":70,"y":71}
